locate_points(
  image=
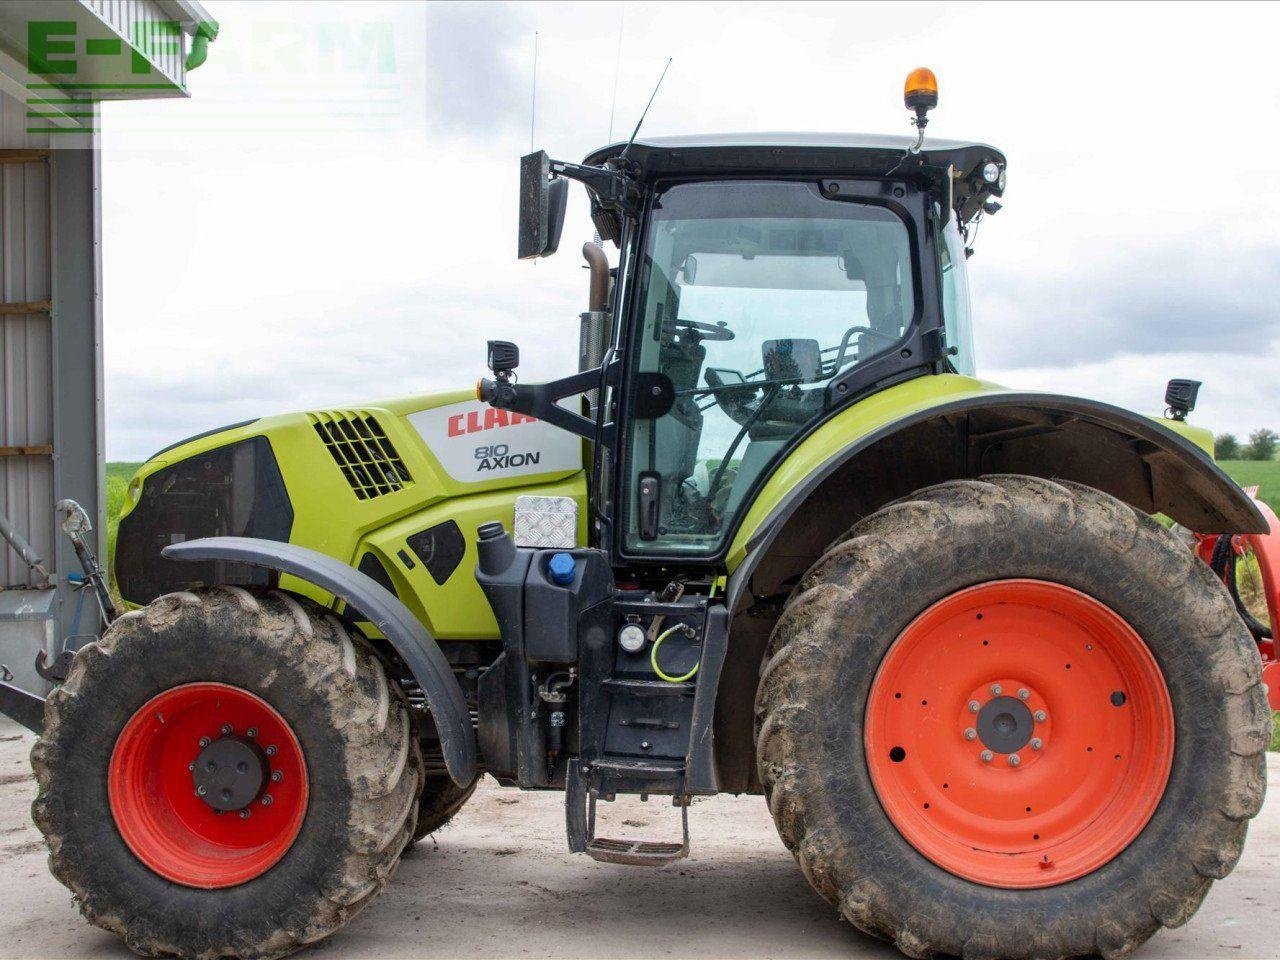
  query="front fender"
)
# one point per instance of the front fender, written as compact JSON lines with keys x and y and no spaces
{"x":406,"y":634}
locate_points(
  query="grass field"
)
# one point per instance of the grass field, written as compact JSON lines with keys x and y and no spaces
{"x":1263,"y":473}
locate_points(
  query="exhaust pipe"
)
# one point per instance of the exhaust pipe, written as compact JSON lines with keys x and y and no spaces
{"x":595,"y":322}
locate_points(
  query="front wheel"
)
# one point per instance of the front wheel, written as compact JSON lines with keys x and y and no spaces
{"x":226,"y":774}
{"x":1012,"y":718}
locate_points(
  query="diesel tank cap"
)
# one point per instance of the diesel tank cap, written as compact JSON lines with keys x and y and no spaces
{"x":561,"y":568}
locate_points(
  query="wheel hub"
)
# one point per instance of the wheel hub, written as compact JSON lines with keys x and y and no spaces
{"x":231,"y":773}
{"x":1005,"y":725}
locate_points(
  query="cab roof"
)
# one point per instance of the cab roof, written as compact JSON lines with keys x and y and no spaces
{"x":840,"y":154}
{"x":864,"y":153}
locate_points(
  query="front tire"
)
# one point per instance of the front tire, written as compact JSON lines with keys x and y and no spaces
{"x":202,"y":690}
{"x":1148,"y":756}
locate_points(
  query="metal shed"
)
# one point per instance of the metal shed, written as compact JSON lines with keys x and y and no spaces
{"x":58,"y":60}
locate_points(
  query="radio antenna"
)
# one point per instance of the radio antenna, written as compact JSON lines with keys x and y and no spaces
{"x":533,"y":97}
{"x":617,"y":71}
{"x":623,"y":154}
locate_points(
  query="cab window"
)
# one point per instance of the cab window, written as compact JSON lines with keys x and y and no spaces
{"x":755,"y":294}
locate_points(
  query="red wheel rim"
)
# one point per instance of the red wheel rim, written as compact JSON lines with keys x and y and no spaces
{"x":1095,"y":723}
{"x":151,"y":786}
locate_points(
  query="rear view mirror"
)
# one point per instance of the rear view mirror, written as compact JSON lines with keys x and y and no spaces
{"x":542,"y":205}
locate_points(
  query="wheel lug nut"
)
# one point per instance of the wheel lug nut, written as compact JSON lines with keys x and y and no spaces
{"x":204,"y":742}
{"x":986,"y":756}
{"x":192,"y":766}
{"x":1041,"y":716}
{"x":971,"y":734}
{"x":996,"y":689}
{"x":201,"y":791}
{"x":1014,"y":759}
{"x":277,"y":776}
{"x":266,"y":799}
{"x":1036,"y":743}
{"x":226,"y":729}
{"x":271,"y":750}
{"x":974,"y":706}
{"x":1024,"y":694}
{"x":252,"y":732}
{"x":244,"y":814}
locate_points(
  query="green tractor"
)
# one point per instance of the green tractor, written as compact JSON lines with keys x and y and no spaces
{"x":773,"y":536}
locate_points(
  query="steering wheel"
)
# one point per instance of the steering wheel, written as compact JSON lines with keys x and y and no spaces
{"x":707,"y":331}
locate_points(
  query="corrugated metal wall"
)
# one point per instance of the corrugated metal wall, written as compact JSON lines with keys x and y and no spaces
{"x":26,"y":364}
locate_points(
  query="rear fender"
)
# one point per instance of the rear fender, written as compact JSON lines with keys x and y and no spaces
{"x":1134,"y":458}
{"x":405,"y":633}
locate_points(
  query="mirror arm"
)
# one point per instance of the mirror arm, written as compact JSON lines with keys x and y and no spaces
{"x":542,"y":400}
{"x":612,"y":189}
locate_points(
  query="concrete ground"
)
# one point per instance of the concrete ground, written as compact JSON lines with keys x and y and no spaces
{"x":499,"y":883}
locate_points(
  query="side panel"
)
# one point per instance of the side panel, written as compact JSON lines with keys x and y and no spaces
{"x":457,"y":608}
{"x":367,"y":478}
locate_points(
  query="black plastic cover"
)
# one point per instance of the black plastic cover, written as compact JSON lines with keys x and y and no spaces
{"x":440,"y":548}
{"x":236,"y":490}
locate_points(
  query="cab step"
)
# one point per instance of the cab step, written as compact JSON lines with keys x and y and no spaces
{"x":580,"y":813}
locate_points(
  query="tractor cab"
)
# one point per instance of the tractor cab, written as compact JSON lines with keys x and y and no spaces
{"x":765,"y":281}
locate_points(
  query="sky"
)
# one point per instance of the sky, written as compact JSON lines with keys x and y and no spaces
{"x":331,"y":217}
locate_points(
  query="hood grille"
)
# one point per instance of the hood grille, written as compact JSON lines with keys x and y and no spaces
{"x":360,"y":448}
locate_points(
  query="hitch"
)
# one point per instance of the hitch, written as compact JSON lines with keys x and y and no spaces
{"x":24,"y":707}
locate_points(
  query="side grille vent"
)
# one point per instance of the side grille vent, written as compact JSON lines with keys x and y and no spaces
{"x":360,"y":448}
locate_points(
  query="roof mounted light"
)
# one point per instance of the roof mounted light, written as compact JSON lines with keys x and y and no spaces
{"x":920,"y":93}
{"x":921,"y":89}
{"x":991,"y":171}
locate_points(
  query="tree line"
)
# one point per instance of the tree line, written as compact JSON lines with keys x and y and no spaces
{"x":1262,"y":445}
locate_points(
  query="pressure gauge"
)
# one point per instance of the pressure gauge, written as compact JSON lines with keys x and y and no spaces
{"x":631,"y":638}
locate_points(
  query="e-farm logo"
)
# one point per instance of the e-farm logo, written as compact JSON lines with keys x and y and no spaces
{"x":60,"y":59}
{"x":277,"y":77}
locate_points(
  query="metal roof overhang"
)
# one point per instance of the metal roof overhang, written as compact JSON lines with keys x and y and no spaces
{"x":93,"y":51}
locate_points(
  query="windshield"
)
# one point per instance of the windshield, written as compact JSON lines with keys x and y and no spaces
{"x":755,"y":295}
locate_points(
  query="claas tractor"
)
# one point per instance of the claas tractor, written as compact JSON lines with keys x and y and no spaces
{"x":773,"y":536}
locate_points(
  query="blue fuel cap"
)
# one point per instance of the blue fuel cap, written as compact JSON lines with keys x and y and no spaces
{"x":561,"y":569}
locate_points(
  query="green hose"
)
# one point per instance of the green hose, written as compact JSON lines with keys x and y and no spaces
{"x":653,"y":657}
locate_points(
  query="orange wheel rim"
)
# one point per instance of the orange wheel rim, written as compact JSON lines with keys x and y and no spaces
{"x":1019,"y":734}
{"x":164,"y":762}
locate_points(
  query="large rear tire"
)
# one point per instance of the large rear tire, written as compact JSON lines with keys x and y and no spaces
{"x":156,"y":730}
{"x":1012,"y":718}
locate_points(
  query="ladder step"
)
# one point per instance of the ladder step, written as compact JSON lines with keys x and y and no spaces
{"x":635,"y":853}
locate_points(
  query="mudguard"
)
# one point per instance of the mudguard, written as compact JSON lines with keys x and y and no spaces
{"x":1200,"y":483}
{"x":401,"y":628}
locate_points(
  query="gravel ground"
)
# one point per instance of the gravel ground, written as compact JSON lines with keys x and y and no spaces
{"x":499,"y":882}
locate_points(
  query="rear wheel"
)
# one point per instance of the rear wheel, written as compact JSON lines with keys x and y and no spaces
{"x":1011,"y":718}
{"x":441,"y":800}
{"x":226,"y":774}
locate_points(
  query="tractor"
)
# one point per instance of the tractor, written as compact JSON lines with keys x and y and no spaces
{"x":774,"y":536}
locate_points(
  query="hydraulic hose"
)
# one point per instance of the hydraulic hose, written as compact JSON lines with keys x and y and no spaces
{"x":653,"y":656}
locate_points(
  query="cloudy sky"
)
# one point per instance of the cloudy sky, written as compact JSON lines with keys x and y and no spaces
{"x":331,"y":217}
